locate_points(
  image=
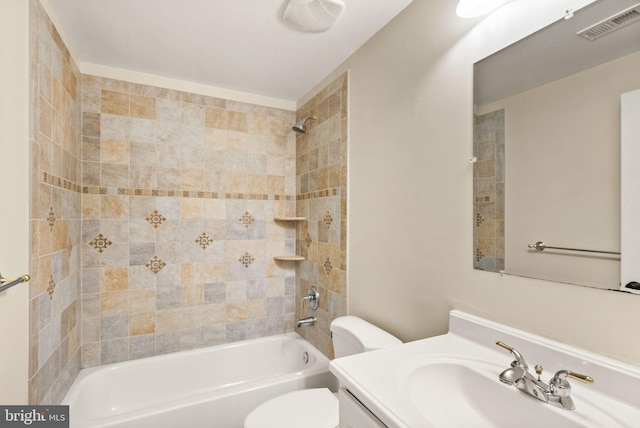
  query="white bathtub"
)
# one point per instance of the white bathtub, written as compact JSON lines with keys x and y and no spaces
{"x":213,"y":387}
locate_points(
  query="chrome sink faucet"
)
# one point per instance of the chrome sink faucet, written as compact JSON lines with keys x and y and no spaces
{"x":557,"y":392}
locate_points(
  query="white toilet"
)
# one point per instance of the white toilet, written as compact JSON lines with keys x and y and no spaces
{"x":351,"y":335}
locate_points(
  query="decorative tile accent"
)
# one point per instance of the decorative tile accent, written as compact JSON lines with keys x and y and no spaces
{"x":100,"y":243}
{"x":51,"y":287}
{"x":199,"y":194}
{"x":246,"y":259}
{"x":479,"y":255}
{"x":308,"y":240}
{"x":204,"y":240}
{"x":479,"y":219}
{"x":328,"y":219}
{"x":318,"y":194}
{"x":247,"y":219}
{"x":328,"y":267}
{"x":155,"y":265}
{"x":60,"y":183}
{"x":51,"y":218}
{"x":155,"y":219}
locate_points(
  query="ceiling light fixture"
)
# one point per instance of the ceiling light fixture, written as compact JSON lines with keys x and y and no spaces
{"x":474,"y":8}
{"x":312,"y":15}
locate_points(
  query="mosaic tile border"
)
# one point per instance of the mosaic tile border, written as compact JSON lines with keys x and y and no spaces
{"x":123,"y":191}
{"x":318,"y":194}
{"x":60,"y":182}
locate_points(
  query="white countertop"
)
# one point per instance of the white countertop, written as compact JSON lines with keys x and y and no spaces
{"x":377,"y":378}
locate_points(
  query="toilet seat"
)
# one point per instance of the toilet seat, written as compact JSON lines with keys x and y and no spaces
{"x":309,"y":408}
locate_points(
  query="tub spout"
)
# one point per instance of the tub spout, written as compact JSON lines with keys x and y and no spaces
{"x":306,"y":321}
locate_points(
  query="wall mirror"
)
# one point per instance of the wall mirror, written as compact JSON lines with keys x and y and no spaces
{"x":547,"y":147}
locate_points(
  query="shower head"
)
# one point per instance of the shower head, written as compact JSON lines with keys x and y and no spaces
{"x":301,"y":127}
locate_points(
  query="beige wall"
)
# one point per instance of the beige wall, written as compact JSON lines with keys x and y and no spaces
{"x":410,"y":187}
{"x":14,"y":182}
{"x":563,"y":173}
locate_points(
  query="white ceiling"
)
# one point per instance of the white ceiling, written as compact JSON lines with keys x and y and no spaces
{"x":239,"y":45}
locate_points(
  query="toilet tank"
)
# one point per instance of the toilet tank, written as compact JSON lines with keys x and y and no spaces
{"x":353,"y":335}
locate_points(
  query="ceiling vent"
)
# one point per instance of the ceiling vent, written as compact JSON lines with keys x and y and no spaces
{"x":611,"y":24}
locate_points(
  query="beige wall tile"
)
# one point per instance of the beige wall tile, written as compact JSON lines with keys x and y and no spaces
{"x":192,"y":179}
{"x":45,"y":116}
{"x":275,"y":184}
{"x":193,"y":316}
{"x":215,"y":314}
{"x":191,"y":274}
{"x":114,"y":151}
{"x":216,"y":118}
{"x":144,"y":177}
{"x":115,"y":103}
{"x":114,"y":279}
{"x":143,"y":107}
{"x":216,"y":141}
{"x":143,"y":300}
{"x":215,"y":272}
{"x":256,"y":308}
{"x":142,"y":323}
{"x":192,"y":208}
{"x":114,"y":175}
{"x":237,"y":121}
{"x":114,"y":207}
{"x":60,"y":235}
{"x":192,"y":295}
{"x":237,"y":311}
{"x":114,"y":303}
{"x":257,"y":124}
{"x":169,"y":320}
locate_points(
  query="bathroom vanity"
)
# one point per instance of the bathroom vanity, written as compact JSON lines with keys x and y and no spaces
{"x":454,"y":380}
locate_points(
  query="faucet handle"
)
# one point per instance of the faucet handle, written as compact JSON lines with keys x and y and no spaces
{"x":560,"y":388}
{"x":582,"y":378}
{"x":559,"y":380}
{"x":519,"y":359}
{"x":313,"y":297}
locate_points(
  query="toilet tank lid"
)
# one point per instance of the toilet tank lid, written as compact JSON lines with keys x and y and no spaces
{"x":370,"y":336}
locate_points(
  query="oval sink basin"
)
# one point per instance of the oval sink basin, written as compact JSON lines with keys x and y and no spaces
{"x":467,"y":393}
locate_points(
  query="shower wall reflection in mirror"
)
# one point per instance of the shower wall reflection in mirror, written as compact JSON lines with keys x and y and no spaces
{"x":547,"y":143}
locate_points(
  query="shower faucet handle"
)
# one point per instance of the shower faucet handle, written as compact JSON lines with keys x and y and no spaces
{"x":313,"y":297}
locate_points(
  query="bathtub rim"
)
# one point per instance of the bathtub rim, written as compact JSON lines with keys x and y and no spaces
{"x":320,"y":365}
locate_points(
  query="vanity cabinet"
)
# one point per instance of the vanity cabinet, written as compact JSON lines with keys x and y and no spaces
{"x":353,"y":414}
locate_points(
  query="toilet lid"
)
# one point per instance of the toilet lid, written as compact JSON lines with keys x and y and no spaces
{"x":309,"y":408}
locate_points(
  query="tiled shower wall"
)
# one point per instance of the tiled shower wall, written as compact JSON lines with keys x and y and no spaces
{"x":488,"y":191}
{"x":162,"y":202}
{"x":178,"y":238}
{"x":321,"y":174}
{"x":54,"y":266}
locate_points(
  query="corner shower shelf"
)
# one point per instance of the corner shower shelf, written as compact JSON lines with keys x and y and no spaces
{"x":289,"y":218}
{"x":293,"y":258}
{"x":289,"y":258}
